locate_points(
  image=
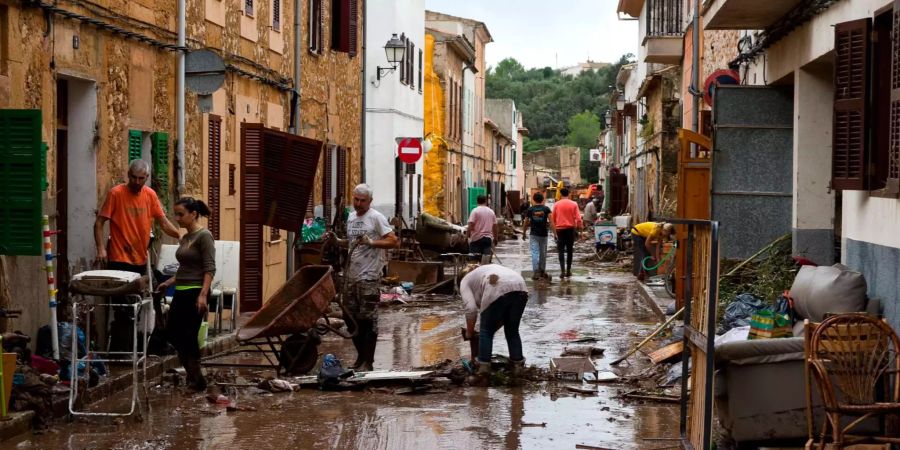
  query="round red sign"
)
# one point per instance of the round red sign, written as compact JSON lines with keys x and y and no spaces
{"x":409,"y":150}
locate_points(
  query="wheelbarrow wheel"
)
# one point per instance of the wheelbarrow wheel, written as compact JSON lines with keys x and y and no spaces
{"x":299,"y":354}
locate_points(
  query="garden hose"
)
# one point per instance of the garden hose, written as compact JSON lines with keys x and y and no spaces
{"x":665,"y":258}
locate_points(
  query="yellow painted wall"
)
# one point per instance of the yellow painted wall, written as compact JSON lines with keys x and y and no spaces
{"x":434,"y":179}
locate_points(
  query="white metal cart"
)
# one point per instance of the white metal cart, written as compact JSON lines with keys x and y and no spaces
{"x":98,"y":288}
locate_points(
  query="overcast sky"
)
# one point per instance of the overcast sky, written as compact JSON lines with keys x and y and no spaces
{"x":538,"y":33}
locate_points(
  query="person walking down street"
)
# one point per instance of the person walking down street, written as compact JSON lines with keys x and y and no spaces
{"x":494,"y":296}
{"x":368,"y":235}
{"x":130,"y":208}
{"x":538,"y":218}
{"x":482,"y":228}
{"x":642,"y":235}
{"x":196,"y":255}
{"x":566,"y":221}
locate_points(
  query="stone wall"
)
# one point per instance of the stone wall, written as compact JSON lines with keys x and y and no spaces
{"x":135,"y":89}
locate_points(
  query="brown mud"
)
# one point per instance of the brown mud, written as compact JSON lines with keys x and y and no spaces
{"x":599,"y":307}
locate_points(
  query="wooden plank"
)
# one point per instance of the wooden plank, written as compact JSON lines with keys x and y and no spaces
{"x":380,"y":375}
{"x":666,"y":353}
{"x":697,"y":339}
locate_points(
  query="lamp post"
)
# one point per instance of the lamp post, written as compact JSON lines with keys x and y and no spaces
{"x":394,"y":49}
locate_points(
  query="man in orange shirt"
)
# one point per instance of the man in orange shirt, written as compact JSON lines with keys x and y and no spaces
{"x":566,"y":220}
{"x":130,"y":208}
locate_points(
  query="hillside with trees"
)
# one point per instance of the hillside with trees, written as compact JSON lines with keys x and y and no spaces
{"x":557,"y":109}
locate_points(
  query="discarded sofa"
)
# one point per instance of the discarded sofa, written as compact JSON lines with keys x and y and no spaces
{"x":760,"y":384}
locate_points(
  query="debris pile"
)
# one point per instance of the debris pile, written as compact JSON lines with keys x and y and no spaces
{"x":765,"y":275}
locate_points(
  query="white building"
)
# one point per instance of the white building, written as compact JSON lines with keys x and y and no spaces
{"x":394,"y":105}
{"x":845,"y":177}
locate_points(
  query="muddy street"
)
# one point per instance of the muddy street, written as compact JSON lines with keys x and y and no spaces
{"x":599,"y":302}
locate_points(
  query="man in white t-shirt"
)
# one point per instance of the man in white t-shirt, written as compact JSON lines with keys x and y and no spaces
{"x":368,"y":235}
{"x":495,"y":296}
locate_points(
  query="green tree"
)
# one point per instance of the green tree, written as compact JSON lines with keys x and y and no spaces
{"x":549,"y":100}
{"x":584,"y":129}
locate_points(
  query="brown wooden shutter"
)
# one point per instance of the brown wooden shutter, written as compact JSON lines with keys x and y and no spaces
{"x":352,"y":25}
{"x":849,"y":162}
{"x":214,"y":180}
{"x":459,"y":110}
{"x":893,"y":178}
{"x":343,"y":154}
{"x":289,"y":168}
{"x":342,"y":33}
{"x":251,"y":266}
{"x":251,"y":215}
{"x":411,"y":65}
{"x":327,"y":198}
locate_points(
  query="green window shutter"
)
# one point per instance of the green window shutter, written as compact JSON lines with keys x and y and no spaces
{"x":44,"y":183}
{"x":134,"y":145}
{"x":160,"y":156}
{"x":20,"y":192}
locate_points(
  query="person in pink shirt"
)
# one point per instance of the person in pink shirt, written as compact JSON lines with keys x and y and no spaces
{"x":566,"y":220}
{"x":482,"y":228}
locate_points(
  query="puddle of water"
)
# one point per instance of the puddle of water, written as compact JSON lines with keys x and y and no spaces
{"x":605,"y":306}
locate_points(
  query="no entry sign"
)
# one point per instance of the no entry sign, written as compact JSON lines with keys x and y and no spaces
{"x":409,"y":150}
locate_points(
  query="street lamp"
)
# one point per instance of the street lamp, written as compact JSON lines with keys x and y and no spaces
{"x":394,"y":49}
{"x":620,"y":103}
{"x":608,"y":119}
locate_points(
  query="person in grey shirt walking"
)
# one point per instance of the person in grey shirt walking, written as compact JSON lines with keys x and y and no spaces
{"x":368,"y":235}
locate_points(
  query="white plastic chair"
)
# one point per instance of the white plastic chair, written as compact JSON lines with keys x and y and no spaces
{"x":225,"y":282}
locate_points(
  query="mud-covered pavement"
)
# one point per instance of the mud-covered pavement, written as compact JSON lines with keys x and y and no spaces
{"x":597,"y":303}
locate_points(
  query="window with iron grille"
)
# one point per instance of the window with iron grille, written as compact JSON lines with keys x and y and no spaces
{"x":248,"y":7}
{"x":276,"y":15}
{"x":314,"y":27}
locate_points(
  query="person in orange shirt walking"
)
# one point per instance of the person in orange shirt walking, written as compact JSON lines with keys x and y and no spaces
{"x":566,"y":220}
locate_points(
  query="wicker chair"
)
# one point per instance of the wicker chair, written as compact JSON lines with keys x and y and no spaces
{"x":852,"y":357}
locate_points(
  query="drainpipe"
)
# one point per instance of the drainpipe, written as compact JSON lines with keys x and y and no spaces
{"x":364,"y":86}
{"x":179,"y":101}
{"x":695,"y":69}
{"x":295,"y":126}
{"x":295,"y":123}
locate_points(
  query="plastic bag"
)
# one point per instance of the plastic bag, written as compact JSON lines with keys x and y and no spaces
{"x":331,"y":371}
{"x":739,"y":312}
{"x":203,"y":334}
{"x":767,"y":324}
{"x":312,"y":230}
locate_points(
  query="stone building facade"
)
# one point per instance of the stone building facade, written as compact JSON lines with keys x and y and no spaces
{"x":104,"y":78}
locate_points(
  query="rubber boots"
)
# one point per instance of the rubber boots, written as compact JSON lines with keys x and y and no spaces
{"x":517,"y":368}
{"x":482,"y":375}
{"x":367,"y":357}
{"x":196,"y":381}
{"x":359,"y":345}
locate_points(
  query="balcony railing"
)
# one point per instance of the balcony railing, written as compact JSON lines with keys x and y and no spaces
{"x":664,"y":18}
